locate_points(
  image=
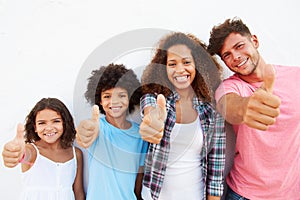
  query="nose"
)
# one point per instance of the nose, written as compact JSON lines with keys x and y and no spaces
{"x":114,"y":99}
{"x":236,"y":55}
{"x":179,"y":68}
{"x":48,"y":127}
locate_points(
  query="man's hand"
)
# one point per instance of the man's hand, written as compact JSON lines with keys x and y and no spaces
{"x":13,"y":151}
{"x":153,"y":124}
{"x":88,"y":130}
{"x":263,"y":107}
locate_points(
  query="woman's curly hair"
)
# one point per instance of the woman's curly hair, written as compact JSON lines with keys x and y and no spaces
{"x":56,"y":105}
{"x":111,"y":76}
{"x":208,"y":71}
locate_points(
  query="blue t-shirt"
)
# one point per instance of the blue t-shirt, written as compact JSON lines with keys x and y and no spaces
{"x":114,"y":160}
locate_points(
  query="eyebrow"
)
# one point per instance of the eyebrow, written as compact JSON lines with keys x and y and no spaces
{"x":188,"y":57}
{"x":233,"y":47}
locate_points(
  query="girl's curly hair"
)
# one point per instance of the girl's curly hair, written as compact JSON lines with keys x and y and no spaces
{"x":111,"y":76}
{"x":208,"y":71}
{"x":56,"y":105}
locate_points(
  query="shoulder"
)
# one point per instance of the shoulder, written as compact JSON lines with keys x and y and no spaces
{"x":78,"y":152}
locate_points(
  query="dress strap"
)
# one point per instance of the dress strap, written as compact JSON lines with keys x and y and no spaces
{"x":74,"y":154}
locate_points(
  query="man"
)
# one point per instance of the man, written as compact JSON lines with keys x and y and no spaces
{"x":261,"y":101}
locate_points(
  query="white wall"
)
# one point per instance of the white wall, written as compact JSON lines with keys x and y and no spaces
{"x":46,"y":46}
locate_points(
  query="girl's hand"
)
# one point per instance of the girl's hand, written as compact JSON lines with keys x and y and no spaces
{"x":14,"y":150}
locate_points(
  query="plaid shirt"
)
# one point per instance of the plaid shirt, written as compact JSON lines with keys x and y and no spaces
{"x":212,"y":154}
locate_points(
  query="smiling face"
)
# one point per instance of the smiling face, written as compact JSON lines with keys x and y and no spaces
{"x":49,"y":125}
{"x":180,"y":66}
{"x":115,"y":102}
{"x":240,"y":54}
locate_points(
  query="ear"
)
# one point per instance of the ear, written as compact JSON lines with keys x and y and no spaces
{"x":255,"y":41}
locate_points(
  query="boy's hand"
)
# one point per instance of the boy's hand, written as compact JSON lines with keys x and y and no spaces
{"x":88,"y":130}
{"x":153,"y":124}
{"x":13,"y":151}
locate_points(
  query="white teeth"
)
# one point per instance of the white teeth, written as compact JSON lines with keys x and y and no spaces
{"x":181,"y":78}
{"x":115,"y":109}
{"x":50,"y":134}
{"x":242,"y":63}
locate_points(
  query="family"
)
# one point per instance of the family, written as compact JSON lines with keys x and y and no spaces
{"x":178,"y":151}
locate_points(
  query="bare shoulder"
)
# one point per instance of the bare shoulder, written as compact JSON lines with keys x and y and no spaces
{"x":78,"y":153}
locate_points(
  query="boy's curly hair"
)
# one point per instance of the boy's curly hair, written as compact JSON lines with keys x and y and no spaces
{"x":111,"y":76}
{"x":208,"y":71}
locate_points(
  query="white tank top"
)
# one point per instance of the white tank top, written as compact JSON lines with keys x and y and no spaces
{"x":183,"y":178}
{"x":49,"y":180}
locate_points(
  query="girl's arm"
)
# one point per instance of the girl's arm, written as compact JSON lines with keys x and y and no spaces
{"x":78,"y":183}
{"x":139,"y":183}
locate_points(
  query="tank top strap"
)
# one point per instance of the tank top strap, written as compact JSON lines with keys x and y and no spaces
{"x":74,"y":154}
{"x":37,"y":150}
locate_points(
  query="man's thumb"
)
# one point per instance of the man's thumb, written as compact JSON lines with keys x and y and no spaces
{"x":268,"y":77}
{"x":95,"y":113}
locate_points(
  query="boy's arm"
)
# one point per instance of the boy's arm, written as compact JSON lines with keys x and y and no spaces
{"x":139,"y":183}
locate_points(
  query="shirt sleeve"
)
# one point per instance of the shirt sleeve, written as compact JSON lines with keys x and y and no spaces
{"x":147,"y":100}
{"x":143,"y":153}
{"x":216,"y":159}
{"x":231,"y":85}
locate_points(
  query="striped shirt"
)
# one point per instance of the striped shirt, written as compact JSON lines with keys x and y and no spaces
{"x":212,"y":154}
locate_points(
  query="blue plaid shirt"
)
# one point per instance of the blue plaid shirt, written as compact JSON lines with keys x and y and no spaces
{"x":212,"y":154}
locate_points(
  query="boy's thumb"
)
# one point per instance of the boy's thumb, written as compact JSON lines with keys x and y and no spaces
{"x":95,"y":113}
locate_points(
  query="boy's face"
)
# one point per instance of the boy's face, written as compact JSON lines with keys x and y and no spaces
{"x":115,"y":102}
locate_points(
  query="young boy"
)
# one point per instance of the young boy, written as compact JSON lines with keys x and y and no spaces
{"x":115,"y":149}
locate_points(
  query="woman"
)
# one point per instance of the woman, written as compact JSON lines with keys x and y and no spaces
{"x":186,"y":155}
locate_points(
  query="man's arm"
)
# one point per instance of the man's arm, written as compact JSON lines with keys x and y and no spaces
{"x":257,"y":111}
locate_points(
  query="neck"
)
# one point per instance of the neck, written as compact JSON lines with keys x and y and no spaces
{"x":186,"y":94}
{"x":120,"y":122}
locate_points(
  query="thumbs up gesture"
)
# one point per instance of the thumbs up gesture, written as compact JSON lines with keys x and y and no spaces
{"x":13,"y":150}
{"x":263,"y":106}
{"x":88,"y":130}
{"x":153,"y":124}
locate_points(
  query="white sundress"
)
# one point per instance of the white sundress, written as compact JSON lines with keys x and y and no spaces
{"x":49,"y":180}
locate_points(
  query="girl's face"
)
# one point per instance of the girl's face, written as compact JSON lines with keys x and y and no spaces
{"x":49,"y":125}
{"x":115,"y":102}
{"x":180,"y":66}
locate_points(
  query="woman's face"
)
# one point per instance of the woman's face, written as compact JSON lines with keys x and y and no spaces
{"x":180,"y":66}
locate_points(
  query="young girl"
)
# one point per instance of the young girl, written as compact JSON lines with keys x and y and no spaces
{"x":116,"y":150}
{"x":186,"y":157}
{"x":51,"y":165}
